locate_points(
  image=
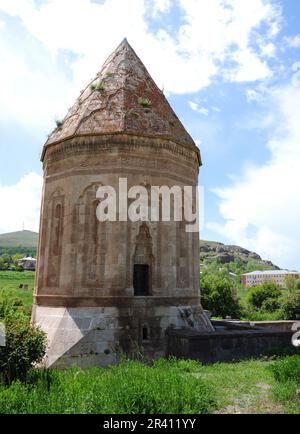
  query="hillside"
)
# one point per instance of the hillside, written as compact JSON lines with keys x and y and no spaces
{"x":237,"y":258}
{"x":26,"y":239}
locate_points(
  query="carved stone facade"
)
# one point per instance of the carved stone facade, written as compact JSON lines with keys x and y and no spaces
{"x":108,"y":288}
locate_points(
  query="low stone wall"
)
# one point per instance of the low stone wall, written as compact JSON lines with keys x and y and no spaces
{"x":274,"y":325}
{"x":229,"y":342}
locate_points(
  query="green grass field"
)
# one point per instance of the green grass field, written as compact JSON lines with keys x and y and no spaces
{"x":167,"y":387}
{"x":10,"y":282}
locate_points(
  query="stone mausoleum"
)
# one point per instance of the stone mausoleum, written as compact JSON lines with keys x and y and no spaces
{"x":105,"y":289}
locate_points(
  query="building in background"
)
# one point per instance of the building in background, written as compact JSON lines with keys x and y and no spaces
{"x":275,"y":276}
{"x":28,"y":264}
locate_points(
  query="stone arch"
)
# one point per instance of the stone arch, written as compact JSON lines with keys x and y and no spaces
{"x":130,"y":241}
{"x":89,"y":238}
{"x":182,"y":254}
{"x":56,"y":210}
{"x":143,"y":262}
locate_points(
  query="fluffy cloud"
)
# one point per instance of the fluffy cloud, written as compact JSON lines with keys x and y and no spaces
{"x":262,"y":209}
{"x":20,"y":204}
{"x":292,"y":41}
{"x":160,"y":6}
{"x":215,"y":37}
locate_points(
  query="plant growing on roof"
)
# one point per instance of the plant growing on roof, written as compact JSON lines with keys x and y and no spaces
{"x":99,"y":87}
{"x":59,"y":123}
{"x":144,"y":102}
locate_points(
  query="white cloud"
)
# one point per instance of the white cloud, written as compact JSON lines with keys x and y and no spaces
{"x":160,"y":6}
{"x":268,"y":50}
{"x":213,"y":35}
{"x":262,"y":208}
{"x":21,"y":203}
{"x":292,"y":41}
{"x":250,"y":67}
{"x":252,"y":95}
{"x":2,"y":24}
{"x":33,"y":95}
{"x":197,"y":108}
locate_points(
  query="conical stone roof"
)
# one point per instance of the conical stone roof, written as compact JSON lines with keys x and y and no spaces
{"x":123,"y":98}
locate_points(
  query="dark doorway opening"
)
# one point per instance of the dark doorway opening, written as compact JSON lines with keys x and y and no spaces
{"x":145,"y":333}
{"x":141,"y":280}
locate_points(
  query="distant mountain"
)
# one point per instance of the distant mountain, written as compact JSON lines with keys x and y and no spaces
{"x":211,"y":251}
{"x":25,"y":239}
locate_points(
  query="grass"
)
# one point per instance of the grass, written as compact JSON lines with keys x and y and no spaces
{"x":9,"y":287}
{"x":168,"y":386}
{"x":242,"y":387}
{"x":210,"y":243}
{"x":287,"y":375}
{"x":130,"y":387}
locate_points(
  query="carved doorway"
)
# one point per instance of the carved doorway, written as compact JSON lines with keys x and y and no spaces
{"x":143,"y":263}
{"x":141,"y":277}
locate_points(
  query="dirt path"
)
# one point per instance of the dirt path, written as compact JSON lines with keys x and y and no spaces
{"x":261,"y":403}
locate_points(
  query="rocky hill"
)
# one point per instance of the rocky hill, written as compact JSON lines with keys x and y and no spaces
{"x":213,"y":251}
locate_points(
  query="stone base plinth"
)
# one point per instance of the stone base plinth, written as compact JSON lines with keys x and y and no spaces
{"x":103,"y":335}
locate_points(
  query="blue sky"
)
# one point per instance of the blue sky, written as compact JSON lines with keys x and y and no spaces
{"x":230,"y":69}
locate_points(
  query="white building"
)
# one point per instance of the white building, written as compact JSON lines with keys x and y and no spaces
{"x":275,"y":276}
{"x":27,"y":263}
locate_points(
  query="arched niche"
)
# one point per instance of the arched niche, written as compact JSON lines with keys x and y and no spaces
{"x":143,"y":261}
{"x":89,"y":240}
{"x":56,"y":211}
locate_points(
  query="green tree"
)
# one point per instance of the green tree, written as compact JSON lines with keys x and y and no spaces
{"x":217,"y":295}
{"x":291,"y":307}
{"x":290,"y":283}
{"x":4,"y":264}
{"x":16,"y":257}
{"x":258,"y":295}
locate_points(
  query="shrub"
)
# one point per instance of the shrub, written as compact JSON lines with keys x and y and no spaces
{"x":291,"y":307}
{"x":287,"y":369}
{"x":271,"y":305}
{"x":9,"y":305}
{"x":217,"y":296}
{"x":259,"y":294}
{"x":25,"y":346}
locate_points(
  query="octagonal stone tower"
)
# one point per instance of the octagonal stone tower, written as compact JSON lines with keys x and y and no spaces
{"x":108,"y":288}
